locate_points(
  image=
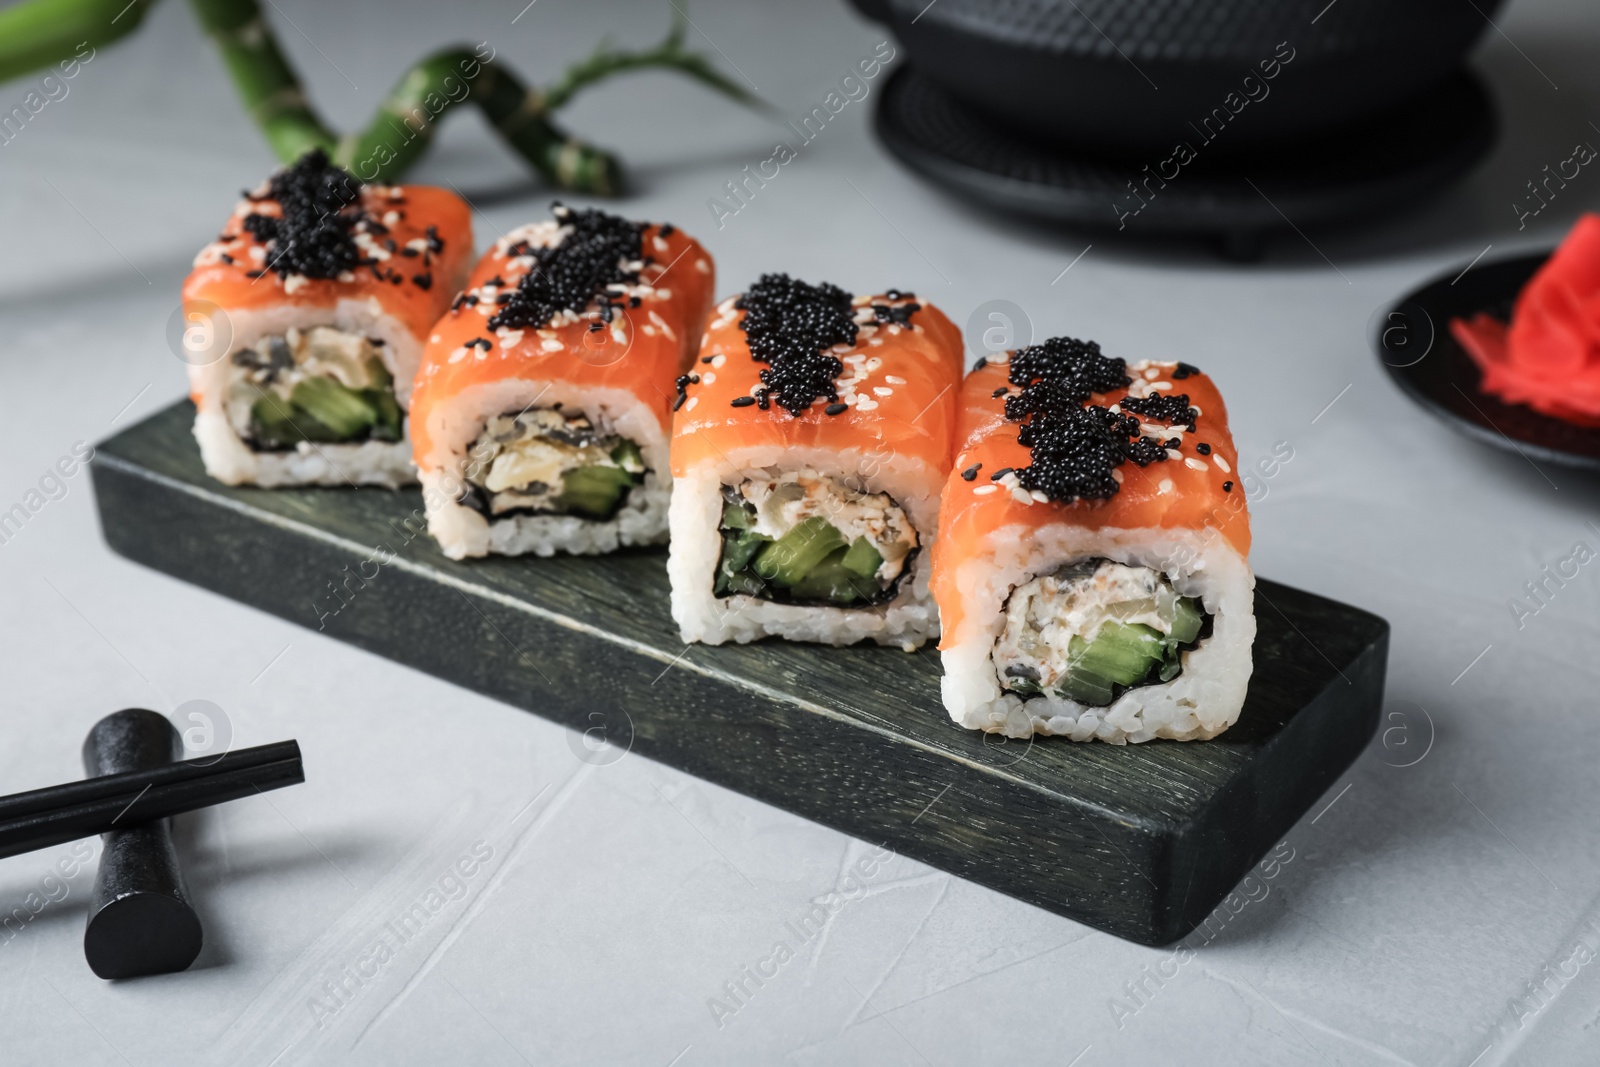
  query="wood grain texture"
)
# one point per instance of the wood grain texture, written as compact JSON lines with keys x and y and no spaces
{"x":1141,"y":841}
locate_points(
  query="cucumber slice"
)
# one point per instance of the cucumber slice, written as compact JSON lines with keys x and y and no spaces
{"x":735,"y":517}
{"x":387,"y":426}
{"x":627,"y":456}
{"x":1172,"y":665}
{"x":835,"y":581}
{"x":796,"y":553}
{"x":1122,"y":652}
{"x":277,"y":423}
{"x":379,"y":374}
{"x":733,"y":575}
{"x":862,"y":558}
{"x":1186,"y":621}
{"x":342,"y":410}
{"x":594,"y":491}
{"x":1087,"y":688}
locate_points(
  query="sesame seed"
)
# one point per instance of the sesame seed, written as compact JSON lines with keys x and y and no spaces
{"x":984,"y":490}
{"x":1222,"y":464}
{"x":743,"y":401}
{"x":1195,"y":465}
{"x":1165,"y":486}
{"x":971,"y":472}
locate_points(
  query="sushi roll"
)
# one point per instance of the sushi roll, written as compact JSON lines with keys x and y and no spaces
{"x":1091,"y":569}
{"x":319,"y":294}
{"x":808,"y":451}
{"x":544,"y":400}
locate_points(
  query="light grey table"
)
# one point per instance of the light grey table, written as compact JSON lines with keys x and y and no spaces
{"x":1441,"y":912}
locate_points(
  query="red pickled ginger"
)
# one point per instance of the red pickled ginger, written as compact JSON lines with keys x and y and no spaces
{"x":1549,"y":356}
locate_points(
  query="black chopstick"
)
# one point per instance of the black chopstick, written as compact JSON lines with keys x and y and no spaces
{"x":60,"y":813}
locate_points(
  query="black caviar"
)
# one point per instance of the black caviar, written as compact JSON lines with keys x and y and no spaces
{"x":320,"y":205}
{"x":1158,"y":407}
{"x":682,"y":382}
{"x":1075,"y":448}
{"x":575,"y":273}
{"x":790,"y":326}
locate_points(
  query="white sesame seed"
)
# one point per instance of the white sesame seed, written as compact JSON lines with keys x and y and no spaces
{"x":1173,"y":453}
{"x":551,"y":345}
{"x":985,"y":490}
{"x":1151,"y":374}
{"x":648,"y":331}
{"x":1195,"y":465}
{"x":1221,"y":463}
{"x":866,"y":405}
{"x":718,"y":360}
{"x":894,"y":379}
{"x":1022,"y":496}
{"x":661,"y":324}
{"x":878,"y":390}
{"x":1165,"y":486}
{"x":1161,"y":387}
{"x":1040,"y":496}
{"x":458,"y":355}
{"x":689,"y":404}
{"x":708,"y":378}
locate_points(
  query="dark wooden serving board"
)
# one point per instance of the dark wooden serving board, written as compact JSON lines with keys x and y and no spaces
{"x":1142,"y":841}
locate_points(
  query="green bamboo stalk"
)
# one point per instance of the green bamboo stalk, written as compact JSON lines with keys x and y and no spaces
{"x":267,"y":85}
{"x":669,"y":54}
{"x":410,"y":114}
{"x":41,"y":33}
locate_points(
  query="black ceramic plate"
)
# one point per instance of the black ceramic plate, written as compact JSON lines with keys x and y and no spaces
{"x":1398,"y":158}
{"x":1414,"y":341}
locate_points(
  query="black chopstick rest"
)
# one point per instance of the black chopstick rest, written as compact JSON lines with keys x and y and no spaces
{"x":141,"y":921}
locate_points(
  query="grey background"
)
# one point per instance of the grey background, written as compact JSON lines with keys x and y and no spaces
{"x":1421,"y":902}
